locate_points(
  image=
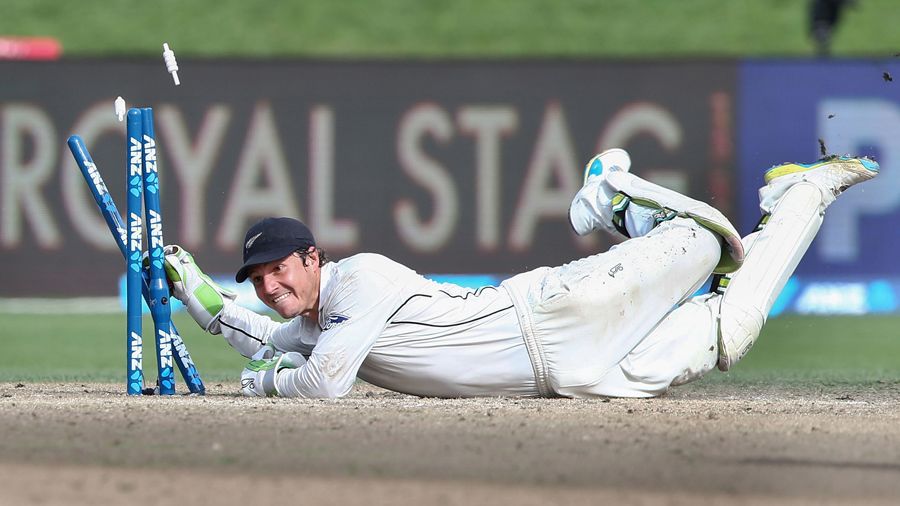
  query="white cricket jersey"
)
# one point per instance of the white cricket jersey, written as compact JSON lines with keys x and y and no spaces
{"x":384,"y":323}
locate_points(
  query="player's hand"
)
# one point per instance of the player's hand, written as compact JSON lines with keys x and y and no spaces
{"x":266,"y":352}
{"x":258,"y":377}
{"x":203,"y":297}
{"x":257,"y":371}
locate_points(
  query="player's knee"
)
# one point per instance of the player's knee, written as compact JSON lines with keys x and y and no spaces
{"x":739,"y":327}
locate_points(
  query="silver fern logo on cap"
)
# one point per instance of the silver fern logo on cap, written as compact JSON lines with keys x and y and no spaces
{"x":252,"y":240}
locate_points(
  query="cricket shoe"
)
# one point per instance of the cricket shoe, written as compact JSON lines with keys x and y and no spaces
{"x":611,"y":159}
{"x":832,"y":175}
{"x":591,"y":209}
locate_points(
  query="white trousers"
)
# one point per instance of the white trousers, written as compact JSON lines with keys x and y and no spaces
{"x":616,"y":323}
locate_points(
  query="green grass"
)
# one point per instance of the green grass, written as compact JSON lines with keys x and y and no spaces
{"x":92,"y":348}
{"x":449,"y":28}
{"x":840,"y":345}
{"x":823,"y":350}
{"x":792,"y":349}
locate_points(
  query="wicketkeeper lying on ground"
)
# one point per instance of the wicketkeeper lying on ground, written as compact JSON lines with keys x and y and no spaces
{"x":619,"y":323}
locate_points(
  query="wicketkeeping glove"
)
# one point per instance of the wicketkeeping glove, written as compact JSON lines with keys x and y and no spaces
{"x":203,"y":297}
{"x":258,"y":378}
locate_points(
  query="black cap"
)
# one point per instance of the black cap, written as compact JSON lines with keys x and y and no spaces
{"x":271,"y":239}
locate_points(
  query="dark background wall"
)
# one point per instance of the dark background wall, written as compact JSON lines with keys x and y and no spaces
{"x":454,"y":167}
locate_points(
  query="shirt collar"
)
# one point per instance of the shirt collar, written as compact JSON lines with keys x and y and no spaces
{"x":327,"y":280}
{"x":327,"y":276}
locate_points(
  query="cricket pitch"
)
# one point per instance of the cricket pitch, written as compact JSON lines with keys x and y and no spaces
{"x":88,"y":443}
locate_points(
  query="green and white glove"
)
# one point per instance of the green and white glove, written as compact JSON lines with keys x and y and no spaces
{"x":258,"y":377}
{"x":203,"y":297}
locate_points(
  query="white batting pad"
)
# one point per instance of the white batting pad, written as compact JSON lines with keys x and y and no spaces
{"x":651,"y":195}
{"x":771,"y":259}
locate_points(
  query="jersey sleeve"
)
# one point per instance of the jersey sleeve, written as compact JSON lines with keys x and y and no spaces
{"x":247,"y":331}
{"x":351,"y":322}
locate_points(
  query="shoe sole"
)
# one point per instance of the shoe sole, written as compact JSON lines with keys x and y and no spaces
{"x":863,"y":167}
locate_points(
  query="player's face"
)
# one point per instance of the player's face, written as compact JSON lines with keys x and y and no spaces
{"x":289,"y":286}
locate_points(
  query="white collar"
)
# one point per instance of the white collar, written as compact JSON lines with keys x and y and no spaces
{"x":327,"y":276}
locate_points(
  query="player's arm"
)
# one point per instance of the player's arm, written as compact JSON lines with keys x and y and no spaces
{"x":247,"y":331}
{"x":351,"y":326}
{"x":213,"y":307}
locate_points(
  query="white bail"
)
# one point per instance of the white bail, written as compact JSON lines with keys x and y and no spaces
{"x":120,"y":108}
{"x":171,"y":64}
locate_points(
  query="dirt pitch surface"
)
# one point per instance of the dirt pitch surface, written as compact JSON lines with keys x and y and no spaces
{"x":80,"y":443}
